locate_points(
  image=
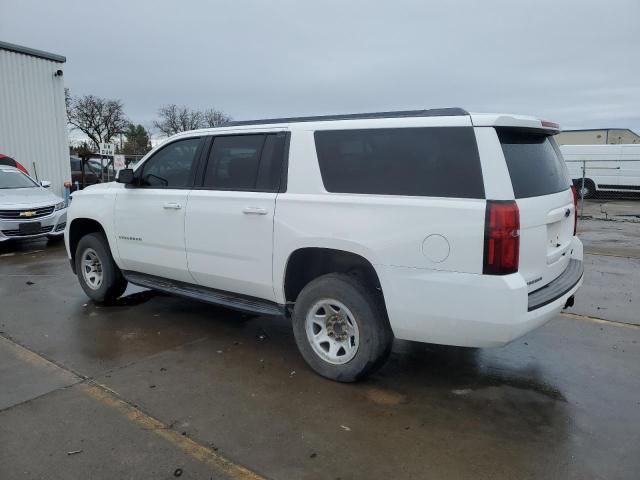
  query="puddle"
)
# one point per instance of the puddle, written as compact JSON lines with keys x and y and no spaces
{"x":384,"y":397}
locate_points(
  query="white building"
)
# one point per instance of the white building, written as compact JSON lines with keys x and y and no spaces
{"x":33,"y":124}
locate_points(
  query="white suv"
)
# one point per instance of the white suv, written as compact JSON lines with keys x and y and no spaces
{"x":437,"y":226}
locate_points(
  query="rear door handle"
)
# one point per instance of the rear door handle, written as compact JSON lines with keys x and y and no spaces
{"x":172,"y":206}
{"x":254,"y":211}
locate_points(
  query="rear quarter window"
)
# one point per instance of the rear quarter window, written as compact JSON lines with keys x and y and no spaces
{"x":432,"y":161}
{"x":534,"y":161}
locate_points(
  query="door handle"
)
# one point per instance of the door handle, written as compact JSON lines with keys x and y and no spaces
{"x":172,"y":206}
{"x":254,"y":211}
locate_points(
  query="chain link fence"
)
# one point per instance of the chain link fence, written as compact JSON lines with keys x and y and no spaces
{"x":607,"y":190}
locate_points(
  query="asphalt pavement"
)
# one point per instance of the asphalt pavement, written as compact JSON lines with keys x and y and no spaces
{"x":162,"y":387}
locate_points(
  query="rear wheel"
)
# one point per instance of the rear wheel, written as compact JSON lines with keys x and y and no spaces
{"x":99,"y":276}
{"x":588,"y":190}
{"x":341,"y":327}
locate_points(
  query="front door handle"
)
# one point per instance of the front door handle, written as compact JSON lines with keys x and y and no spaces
{"x":172,"y":206}
{"x":254,"y":211}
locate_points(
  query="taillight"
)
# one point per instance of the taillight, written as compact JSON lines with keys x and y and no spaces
{"x":548,"y":124}
{"x":575,"y":209}
{"x":501,"y":238}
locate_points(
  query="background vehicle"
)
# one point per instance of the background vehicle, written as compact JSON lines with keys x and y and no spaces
{"x":10,"y":162}
{"x":608,"y":168}
{"x":91,"y":176}
{"x":27,"y":209}
{"x":437,"y":226}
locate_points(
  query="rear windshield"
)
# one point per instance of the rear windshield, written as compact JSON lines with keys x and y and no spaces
{"x":432,"y":161}
{"x":534,"y":162}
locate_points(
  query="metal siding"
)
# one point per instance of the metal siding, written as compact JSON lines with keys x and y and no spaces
{"x":33,"y":127}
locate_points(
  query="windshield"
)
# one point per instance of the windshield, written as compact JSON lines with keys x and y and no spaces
{"x":15,"y":179}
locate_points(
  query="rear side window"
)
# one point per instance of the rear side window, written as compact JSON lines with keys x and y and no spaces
{"x":534,"y":161}
{"x":432,"y":161}
{"x":245,"y":163}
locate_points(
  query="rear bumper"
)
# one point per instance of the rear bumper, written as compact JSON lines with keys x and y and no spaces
{"x":558,"y":287}
{"x":471,"y":310}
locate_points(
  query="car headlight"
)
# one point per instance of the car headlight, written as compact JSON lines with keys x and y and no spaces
{"x":59,"y":206}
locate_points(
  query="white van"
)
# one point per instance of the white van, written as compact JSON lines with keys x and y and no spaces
{"x":609,"y":168}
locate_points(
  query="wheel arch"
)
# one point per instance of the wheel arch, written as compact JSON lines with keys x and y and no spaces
{"x":307,"y":263}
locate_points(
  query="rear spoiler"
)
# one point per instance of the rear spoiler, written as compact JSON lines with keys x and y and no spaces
{"x":514,"y":121}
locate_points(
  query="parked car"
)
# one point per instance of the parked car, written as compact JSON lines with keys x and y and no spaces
{"x":91,"y":175}
{"x":607,"y":168}
{"x":435,"y":226}
{"x":10,"y":162}
{"x":28,"y":209}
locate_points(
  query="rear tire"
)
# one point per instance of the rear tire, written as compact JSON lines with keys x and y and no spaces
{"x":341,"y":327}
{"x":589,"y":189}
{"x":98,"y":274}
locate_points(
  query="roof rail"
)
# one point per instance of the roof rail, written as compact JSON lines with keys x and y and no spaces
{"x":434,"y":112}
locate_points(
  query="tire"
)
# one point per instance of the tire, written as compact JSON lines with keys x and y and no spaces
{"x":112,"y":284}
{"x":356,"y":315}
{"x":589,"y":190}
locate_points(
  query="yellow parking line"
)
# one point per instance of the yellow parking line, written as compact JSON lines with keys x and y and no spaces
{"x":108,"y":397}
{"x":601,"y":321}
{"x":609,"y":254}
{"x":38,"y":361}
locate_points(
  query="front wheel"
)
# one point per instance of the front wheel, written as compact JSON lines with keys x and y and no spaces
{"x":99,"y":276}
{"x":341,"y":327}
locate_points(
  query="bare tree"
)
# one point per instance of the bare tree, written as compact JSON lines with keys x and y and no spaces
{"x":215,"y":118}
{"x":100,"y":119}
{"x":174,"y":119}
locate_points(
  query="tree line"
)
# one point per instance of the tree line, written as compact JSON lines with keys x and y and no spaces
{"x":103,"y":120}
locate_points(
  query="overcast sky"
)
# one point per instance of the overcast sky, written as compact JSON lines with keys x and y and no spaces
{"x":576,"y":62}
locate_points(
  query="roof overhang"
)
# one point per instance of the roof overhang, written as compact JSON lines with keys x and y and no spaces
{"x":32,"y":52}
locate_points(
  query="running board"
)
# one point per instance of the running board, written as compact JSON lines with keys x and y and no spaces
{"x":204,"y":294}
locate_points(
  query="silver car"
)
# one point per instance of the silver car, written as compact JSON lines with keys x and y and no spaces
{"x":28,"y":209}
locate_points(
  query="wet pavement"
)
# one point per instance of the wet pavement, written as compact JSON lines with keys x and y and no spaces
{"x":160,"y":387}
{"x":615,"y":206}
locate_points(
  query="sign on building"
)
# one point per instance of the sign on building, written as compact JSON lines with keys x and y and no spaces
{"x":107,"y":149}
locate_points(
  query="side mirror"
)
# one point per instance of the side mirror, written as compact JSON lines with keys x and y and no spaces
{"x":125,"y":176}
{"x":45,"y":183}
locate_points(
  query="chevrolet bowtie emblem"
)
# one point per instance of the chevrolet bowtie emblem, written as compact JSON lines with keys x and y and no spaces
{"x":27,"y":213}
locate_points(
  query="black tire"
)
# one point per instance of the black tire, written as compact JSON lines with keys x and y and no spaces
{"x":589,"y":190}
{"x":113,"y":282}
{"x":367,"y":308}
